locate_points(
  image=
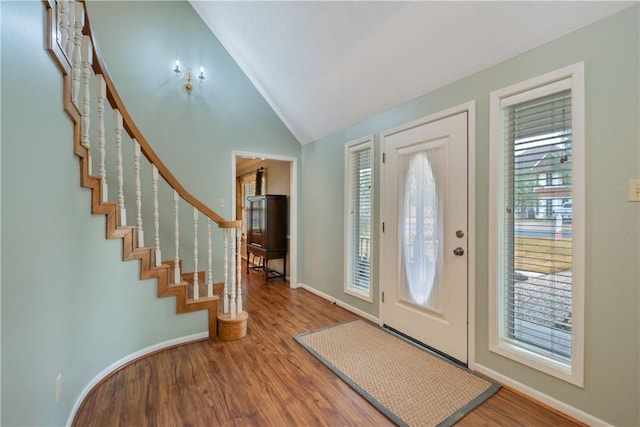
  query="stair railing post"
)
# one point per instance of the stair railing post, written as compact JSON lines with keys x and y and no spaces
{"x":209,"y":261}
{"x":76,"y":61}
{"x":71,"y":22}
{"x":232,"y":286}
{"x":156,"y":217}
{"x":196,"y":285}
{"x":87,"y":62}
{"x":225,"y":233}
{"x":177,"y":276}
{"x":136,"y":165}
{"x":63,"y":23}
{"x":119,"y":169}
{"x":101,"y":93}
{"x":238,"y":231}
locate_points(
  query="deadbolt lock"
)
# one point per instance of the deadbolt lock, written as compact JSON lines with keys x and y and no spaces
{"x":459,"y":234}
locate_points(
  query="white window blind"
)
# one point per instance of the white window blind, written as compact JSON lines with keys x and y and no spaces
{"x":358,"y":217}
{"x":536,"y":246}
{"x":536,"y":270}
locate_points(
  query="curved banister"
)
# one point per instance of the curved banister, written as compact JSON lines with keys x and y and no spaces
{"x":62,"y":25}
{"x":115,"y":101}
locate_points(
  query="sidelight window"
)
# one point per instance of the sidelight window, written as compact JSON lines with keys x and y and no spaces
{"x":537,"y":233}
{"x":358,"y":217}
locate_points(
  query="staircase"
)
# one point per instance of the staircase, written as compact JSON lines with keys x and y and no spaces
{"x":73,"y":47}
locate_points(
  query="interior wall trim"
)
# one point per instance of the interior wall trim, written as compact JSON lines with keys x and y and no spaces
{"x":545,"y":399}
{"x":339,"y":303}
{"x":133,"y":357}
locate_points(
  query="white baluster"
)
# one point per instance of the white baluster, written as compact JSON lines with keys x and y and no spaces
{"x":119,"y":168}
{"x":87,"y":61}
{"x":137,"y":152}
{"x":232,"y":287}
{"x":63,"y":24}
{"x":156,"y":216}
{"x":76,"y":62}
{"x":196,"y":285}
{"x":239,"y":269}
{"x":226,"y":271}
{"x":71,"y":22}
{"x":101,"y":93}
{"x":210,"y":260}
{"x":177,"y":277}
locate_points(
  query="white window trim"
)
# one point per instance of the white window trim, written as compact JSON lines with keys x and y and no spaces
{"x":356,"y":145}
{"x":572,"y":372}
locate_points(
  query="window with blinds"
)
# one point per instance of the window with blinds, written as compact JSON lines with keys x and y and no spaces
{"x":358,"y":217}
{"x":537,"y":240}
{"x":533,"y":235}
{"x":249,"y":190}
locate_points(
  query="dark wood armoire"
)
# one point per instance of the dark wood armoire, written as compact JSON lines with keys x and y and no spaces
{"x":267,"y":233}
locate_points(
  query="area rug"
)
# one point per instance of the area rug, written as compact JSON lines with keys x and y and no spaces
{"x":409,"y":384}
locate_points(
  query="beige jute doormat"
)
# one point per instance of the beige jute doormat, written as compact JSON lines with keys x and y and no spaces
{"x":409,"y":384}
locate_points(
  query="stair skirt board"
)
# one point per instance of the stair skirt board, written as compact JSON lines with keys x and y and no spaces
{"x":127,"y":360}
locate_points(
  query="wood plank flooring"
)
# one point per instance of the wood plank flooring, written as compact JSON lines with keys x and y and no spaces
{"x":265,"y":379}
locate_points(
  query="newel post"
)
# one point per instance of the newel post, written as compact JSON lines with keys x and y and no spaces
{"x":232,"y":324}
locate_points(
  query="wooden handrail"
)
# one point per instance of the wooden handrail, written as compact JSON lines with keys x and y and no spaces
{"x":115,"y":101}
{"x":151,"y":264}
{"x":230,"y":224}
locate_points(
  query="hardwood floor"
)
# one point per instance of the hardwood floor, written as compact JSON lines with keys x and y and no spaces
{"x":265,"y":379}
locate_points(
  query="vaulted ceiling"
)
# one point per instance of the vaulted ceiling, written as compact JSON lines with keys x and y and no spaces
{"x":324,"y":65}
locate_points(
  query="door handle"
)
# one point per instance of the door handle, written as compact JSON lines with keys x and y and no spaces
{"x":458,"y":251}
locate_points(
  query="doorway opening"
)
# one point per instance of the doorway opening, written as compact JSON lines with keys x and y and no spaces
{"x":275,"y":175}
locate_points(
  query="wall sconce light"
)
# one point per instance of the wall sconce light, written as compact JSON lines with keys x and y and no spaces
{"x":188,"y":77}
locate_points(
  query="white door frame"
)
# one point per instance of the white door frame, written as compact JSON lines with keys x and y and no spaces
{"x":468,"y":107}
{"x":293,"y":204}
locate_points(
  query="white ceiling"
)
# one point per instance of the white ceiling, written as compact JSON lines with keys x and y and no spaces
{"x":324,"y":65}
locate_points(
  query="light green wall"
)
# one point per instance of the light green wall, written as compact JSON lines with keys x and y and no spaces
{"x":69,"y":304}
{"x":140,"y":41}
{"x":610,"y":51}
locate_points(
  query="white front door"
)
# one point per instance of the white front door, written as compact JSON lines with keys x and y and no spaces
{"x":424,"y":242}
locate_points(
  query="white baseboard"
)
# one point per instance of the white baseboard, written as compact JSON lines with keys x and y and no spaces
{"x":543,"y":398}
{"x":339,"y":303}
{"x":126,"y":360}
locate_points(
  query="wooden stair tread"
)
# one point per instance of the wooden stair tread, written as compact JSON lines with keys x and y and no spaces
{"x":203,"y":299}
